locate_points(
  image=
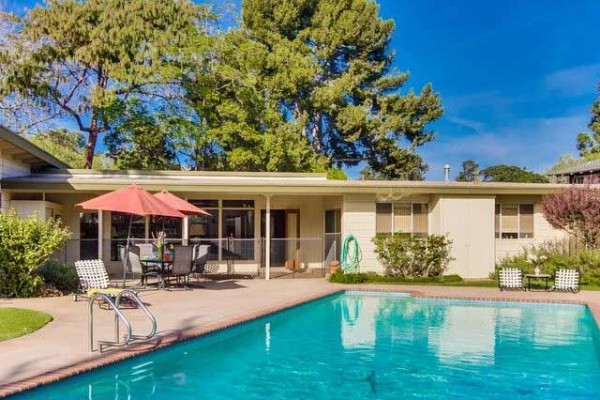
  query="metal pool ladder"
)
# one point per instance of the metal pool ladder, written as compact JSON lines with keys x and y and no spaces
{"x":113,"y":303}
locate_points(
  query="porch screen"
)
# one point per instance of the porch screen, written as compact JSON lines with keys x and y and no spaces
{"x":238,"y":229}
{"x":205,"y":226}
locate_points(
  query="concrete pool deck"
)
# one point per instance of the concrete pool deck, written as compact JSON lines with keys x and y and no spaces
{"x":61,"y":348}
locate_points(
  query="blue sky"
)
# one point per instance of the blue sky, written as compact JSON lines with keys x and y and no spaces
{"x":517,"y":78}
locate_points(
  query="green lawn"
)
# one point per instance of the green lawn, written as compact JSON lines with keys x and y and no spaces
{"x":15,"y":322}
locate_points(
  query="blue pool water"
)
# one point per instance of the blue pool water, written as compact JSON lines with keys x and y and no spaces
{"x":357,"y":346}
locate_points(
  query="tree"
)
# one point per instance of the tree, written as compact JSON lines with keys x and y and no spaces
{"x":327,"y":68}
{"x":68,"y":146}
{"x":80,"y":59}
{"x":589,"y":143}
{"x":140,"y":139}
{"x":236,"y":125}
{"x":511,"y":173}
{"x":470,"y":171}
{"x":575,"y":210}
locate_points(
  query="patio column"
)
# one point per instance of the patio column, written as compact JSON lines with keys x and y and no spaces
{"x":100,"y":237}
{"x":185,"y":232}
{"x":268,"y":238}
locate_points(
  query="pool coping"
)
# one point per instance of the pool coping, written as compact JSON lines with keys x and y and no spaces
{"x":161,"y":342}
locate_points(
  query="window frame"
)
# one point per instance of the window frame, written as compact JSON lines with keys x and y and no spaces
{"x":499,"y":233}
{"x":412,"y":216}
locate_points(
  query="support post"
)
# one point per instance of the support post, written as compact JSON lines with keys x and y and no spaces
{"x":100,"y":235}
{"x":268,"y":238}
{"x":185,"y":232}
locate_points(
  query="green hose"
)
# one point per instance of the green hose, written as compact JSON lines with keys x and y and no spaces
{"x":351,"y":255}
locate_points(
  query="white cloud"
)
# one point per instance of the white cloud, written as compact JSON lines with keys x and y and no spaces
{"x":575,"y":81}
{"x":535,"y":143}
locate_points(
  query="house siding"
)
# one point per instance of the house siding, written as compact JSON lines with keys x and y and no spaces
{"x":543,"y":232}
{"x":469,"y":224}
{"x":358,"y":219}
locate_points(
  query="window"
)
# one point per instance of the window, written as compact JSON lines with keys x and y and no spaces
{"x":402,"y":217}
{"x":514,"y":221}
{"x":237,"y":224}
{"x":578,"y":179}
{"x":172,"y":226}
{"x":333,"y":235}
{"x":333,"y":221}
{"x":383,"y":218}
{"x":205,"y":226}
{"x":119,"y":229}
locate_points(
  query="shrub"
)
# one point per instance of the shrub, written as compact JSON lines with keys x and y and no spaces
{"x":551,"y":257}
{"x":26,"y":244}
{"x":62,"y":276}
{"x":575,"y":210}
{"x":372,"y":277}
{"x":405,"y":255}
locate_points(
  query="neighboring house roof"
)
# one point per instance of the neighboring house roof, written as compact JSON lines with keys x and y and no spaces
{"x":23,"y":150}
{"x":590,"y":166}
{"x":258,"y":183}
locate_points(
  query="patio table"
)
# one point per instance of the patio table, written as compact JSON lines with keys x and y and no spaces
{"x":163,"y":268}
{"x":544,"y":277}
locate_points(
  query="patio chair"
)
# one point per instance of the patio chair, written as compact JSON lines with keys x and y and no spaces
{"x":510,"y":279}
{"x":566,"y":280}
{"x":148,"y":251}
{"x":93,"y":279}
{"x":200,"y":256}
{"x":134,"y":265}
{"x":182,"y":264}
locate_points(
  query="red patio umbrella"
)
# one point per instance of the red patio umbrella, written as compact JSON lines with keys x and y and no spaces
{"x":132,"y":200}
{"x":179,"y":204}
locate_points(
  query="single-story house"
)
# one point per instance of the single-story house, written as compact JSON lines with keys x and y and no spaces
{"x":308,"y":214}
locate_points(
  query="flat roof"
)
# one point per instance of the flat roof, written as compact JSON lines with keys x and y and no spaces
{"x":73,"y":180}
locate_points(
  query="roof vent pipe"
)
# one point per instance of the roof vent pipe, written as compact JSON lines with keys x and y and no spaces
{"x":447,"y":173}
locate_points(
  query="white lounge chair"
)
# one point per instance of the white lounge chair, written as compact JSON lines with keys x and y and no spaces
{"x":93,"y":279}
{"x":510,"y":279}
{"x":567,"y":280}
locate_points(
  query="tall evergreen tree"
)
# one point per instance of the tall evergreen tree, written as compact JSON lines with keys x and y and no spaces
{"x":470,"y":171}
{"x":237,"y":124}
{"x":78,"y":59}
{"x":589,"y":143}
{"x":306,"y":84}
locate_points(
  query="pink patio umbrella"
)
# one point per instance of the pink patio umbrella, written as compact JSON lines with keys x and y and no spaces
{"x":132,"y":200}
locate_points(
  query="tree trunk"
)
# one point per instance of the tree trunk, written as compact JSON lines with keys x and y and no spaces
{"x":90,"y":149}
{"x":317,"y":133}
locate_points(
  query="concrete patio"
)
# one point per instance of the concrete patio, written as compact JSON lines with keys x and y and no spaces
{"x":184,"y":313}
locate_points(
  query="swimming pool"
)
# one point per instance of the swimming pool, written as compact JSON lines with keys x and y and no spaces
{"x":360,"y":345}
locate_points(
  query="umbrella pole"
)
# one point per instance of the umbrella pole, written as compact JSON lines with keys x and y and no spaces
{"x":127,"y":250}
